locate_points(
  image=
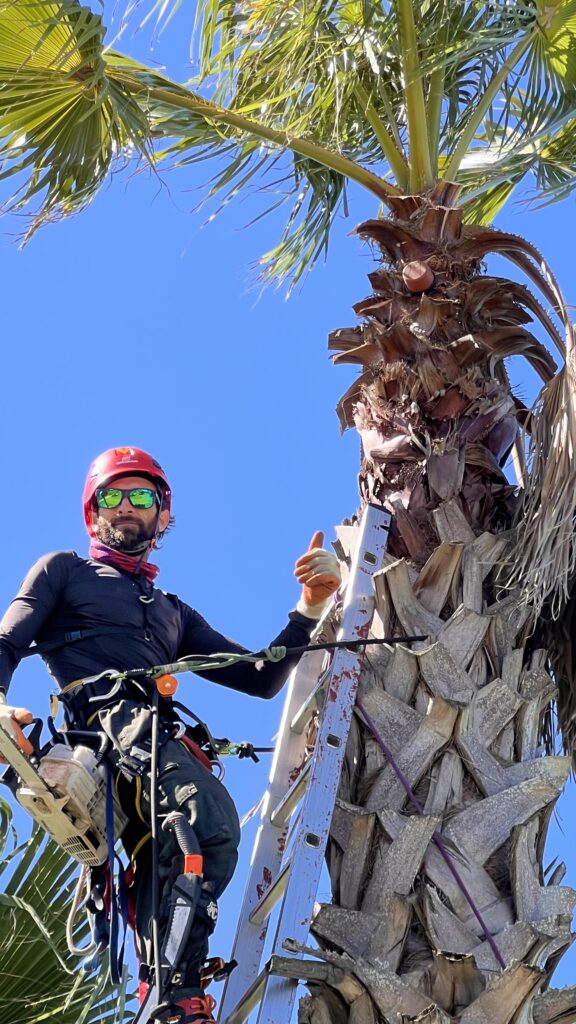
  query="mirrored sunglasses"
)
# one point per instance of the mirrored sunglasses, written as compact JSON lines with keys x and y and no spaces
{"x":139,"y":497}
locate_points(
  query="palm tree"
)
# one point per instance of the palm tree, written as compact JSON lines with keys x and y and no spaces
{"x":40,"y":980}
{"x":440,"y":111}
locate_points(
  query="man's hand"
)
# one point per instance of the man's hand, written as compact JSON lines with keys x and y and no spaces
{"x":319,"y":574}
{"x":14,"y":718}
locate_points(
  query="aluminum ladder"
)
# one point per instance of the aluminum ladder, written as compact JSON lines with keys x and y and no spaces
{"x":293,"y":876}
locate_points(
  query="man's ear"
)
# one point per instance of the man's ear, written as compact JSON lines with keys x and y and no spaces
{"x":164,"y":520}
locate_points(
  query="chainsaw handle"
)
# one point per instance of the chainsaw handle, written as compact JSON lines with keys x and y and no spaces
{"x":16,"y":729}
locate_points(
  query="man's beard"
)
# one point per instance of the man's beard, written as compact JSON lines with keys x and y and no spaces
{"x":133,"y":541}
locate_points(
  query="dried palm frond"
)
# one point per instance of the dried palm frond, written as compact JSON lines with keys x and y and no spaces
{"x":544,"y":556}
{"x":558,"y":637}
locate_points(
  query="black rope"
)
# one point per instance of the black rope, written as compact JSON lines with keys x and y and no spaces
{"x":353,"y":644}
{"x":208,"y":662}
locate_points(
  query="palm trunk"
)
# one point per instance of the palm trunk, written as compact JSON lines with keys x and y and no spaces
{"x":441,"y":908}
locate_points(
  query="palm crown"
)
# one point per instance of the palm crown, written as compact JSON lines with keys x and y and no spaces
{"x":392,"y":96}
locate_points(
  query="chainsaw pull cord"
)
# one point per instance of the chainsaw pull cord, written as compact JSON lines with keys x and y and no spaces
{"x":154,"y":841}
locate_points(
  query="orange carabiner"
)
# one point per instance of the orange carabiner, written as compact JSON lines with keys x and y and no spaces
{"x":166,"y":685}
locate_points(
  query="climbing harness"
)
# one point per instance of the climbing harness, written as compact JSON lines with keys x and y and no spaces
{"x":64,"y":787}
{"x":69,"y":791}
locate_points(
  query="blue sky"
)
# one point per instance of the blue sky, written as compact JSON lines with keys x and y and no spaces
{"x":134,"y":324}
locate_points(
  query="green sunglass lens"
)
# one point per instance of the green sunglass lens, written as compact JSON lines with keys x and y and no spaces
{"x":142,"y":498}
{"x":109,"y":498}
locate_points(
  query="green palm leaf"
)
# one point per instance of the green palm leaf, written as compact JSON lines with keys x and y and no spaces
{"x":61,"y":119}
{"x":41,"y":981}
{"x":476,"y":93}
{"x":295,"y":100}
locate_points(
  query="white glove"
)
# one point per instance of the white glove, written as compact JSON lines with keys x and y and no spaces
{"x":11,"y":719}
{"x":319,"y":573}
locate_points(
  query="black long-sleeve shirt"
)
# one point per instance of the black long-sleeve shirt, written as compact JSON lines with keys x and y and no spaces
{"x":63,"y":593}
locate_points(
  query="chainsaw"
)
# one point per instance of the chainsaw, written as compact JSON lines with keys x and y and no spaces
{"x":63,"y":789}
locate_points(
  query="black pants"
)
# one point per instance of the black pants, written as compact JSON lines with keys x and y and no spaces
{"x":185,"y":785}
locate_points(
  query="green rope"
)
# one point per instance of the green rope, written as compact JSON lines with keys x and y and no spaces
{"x":203,"y":663}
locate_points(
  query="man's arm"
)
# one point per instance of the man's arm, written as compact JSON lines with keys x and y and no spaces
{"x":33,"y":604}
{"x":200,"y":638}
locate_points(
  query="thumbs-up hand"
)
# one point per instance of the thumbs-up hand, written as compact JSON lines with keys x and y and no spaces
{"x":319,"y":574}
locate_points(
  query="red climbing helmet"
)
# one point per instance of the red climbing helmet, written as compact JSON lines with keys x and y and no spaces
{"x":122,"y":462}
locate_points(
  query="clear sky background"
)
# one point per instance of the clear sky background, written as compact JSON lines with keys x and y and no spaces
{"x":138,"y":324}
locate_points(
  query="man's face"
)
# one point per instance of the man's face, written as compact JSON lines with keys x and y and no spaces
{"x":126,"y":528}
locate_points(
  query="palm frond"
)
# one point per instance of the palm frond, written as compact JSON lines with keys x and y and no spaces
{"x":497,"y":81}
{"x":479,"y":242}
{"x":486,"y":199}
{"x":67,"y":109}
{"x":41,"y":981}
{"x":543,"y":558}
{"x":62,"y":120}
{"x":316,"y":193}
{"x":387,"y":95}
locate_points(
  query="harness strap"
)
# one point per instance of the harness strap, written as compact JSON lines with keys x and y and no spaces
{"x":68,"y":638}
{"x":197,"y":751}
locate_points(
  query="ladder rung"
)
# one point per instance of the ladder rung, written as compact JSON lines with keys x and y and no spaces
{"x":249,"y":1000}
{"x":276,"y":890}
{"x":290,"y":800}
{"x":313,"y":703}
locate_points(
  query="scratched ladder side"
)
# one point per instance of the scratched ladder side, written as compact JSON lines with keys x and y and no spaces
{"x":298,"y":877}
{"x":269,"y":844}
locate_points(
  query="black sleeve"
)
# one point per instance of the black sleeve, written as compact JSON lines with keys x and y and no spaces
{"x":199,"y":638}
{"x":29,"y":610}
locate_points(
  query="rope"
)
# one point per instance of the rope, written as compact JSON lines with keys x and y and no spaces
{"x":205,"y":663}
{"x":436,"y":839}
{"x":71,"y":921}
{"x":209,"y":662}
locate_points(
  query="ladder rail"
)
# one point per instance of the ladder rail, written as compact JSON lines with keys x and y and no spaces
{"x":318,"y":806}
{"x":270,"y":840}
{"x":298,"y":879}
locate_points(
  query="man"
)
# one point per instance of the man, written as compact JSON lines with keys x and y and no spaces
{"x":120,"y":620}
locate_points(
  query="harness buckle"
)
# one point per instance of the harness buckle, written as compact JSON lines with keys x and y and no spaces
{"x":135,"y":763}
{"x":75,"y":634}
